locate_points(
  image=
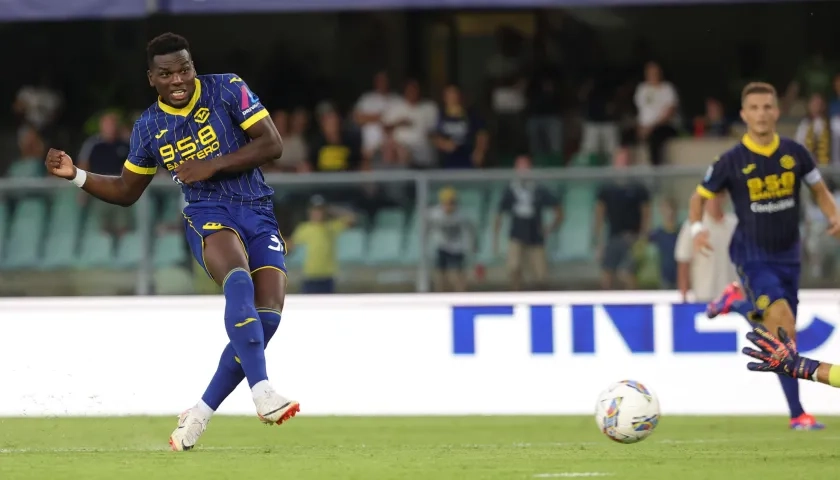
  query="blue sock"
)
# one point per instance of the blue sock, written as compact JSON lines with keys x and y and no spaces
{"x":243,"y":326}
{"x":229,"y":374}
{"x":743,"y":308}
{"x":791,"y":388}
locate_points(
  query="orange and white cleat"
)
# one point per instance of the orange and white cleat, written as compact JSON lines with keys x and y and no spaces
{"x":190,"y":427}
{"x":274,"y":408}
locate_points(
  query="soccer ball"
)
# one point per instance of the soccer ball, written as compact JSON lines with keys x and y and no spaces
{"x":627,"y":412}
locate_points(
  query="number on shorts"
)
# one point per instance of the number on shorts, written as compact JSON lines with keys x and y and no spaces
{"x":278,"y":244}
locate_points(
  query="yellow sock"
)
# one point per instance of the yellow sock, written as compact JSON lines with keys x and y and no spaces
{"x":834,"y":376}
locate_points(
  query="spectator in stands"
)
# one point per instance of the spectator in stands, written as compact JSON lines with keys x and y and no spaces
{"x":508,"y":83}
{"x":713,"y":123}
{"x":104,"y":153}
{"x":820,"y":249}
{"x":319,"y":235}
{"x":600,"y":131}
{"x":410,"y":122}
{"x":813,"y":77}
{"x":834,"y":106}
{"x":460,"y":136}
{"x":624,"y":205}
{"x":664,"y":238}
{"x":454,"y":237}
{"x":335,"y":149}
{"x":369,"y":110}
{"x":820,"y":134}
{"x":38,"y":106}
{"x":706,"y":275}
{"x":295,"y":149}
{"x":658,"y":104}
{"x":545,"y":121}
{"x":525,"y":200}
{"x":31,"y":160}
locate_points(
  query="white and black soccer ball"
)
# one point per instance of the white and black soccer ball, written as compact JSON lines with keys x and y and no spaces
{"x":627,"y":412}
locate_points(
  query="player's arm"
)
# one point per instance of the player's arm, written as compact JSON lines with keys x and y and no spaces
{"x":715,"y":181}
{"x":266,"y":146}
{"x":779,"y":354}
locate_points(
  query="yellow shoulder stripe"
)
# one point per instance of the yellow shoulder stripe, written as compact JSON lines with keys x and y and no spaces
{"x":253,"y":119}
{"x":138,"y":169}
{"x":705,"y":192}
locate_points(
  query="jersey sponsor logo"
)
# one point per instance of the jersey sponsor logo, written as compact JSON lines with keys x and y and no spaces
{"x":205,"y":145}
{"x":161,"y":133}
{"x":773,"y":207}
{"x":748,"y":169}
{"x":787,"y":162}
{"x":248,"y":99}
{"x":202,"y":115}
{"x":771,"y":187}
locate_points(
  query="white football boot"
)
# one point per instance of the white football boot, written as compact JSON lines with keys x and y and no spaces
{"x":274,"y":408}
{"x":191,"y":424}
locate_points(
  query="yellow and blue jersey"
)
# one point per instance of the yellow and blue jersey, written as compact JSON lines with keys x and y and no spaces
{"x":211,"y":125}
{"x":764,"y":183}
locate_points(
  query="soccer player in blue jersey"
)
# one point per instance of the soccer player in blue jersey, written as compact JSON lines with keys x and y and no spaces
{"x":211,"y":133}
{"x":763,"y":175}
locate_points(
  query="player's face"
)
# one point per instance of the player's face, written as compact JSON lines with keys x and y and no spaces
{"x":173,"y":76}
{"x":760,"y":111}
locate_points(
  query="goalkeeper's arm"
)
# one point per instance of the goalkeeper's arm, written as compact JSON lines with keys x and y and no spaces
{"x":779,"y":354}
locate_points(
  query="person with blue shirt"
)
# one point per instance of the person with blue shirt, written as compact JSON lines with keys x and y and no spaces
{"x":461,"y":136}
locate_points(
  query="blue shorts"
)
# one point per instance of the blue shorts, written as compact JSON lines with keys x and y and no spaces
{"x":767,"y":283}
{"x":256,"y":228}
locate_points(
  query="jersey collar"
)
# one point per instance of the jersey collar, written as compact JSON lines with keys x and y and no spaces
{"x":183,"y":112}
{"x":765,"y":150}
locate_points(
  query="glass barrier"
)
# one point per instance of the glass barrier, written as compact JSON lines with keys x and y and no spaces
{"x":373,"y":232}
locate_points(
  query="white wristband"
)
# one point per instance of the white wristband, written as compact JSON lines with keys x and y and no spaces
{"x":80,"y":178}
{"x":696,"y":228}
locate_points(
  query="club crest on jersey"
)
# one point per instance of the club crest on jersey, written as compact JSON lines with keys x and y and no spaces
{"x":787,"y":162}
{"x":709,"y":172}
{"x":202,"y":115}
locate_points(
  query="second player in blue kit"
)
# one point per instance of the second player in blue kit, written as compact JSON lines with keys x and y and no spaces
{"x":211,"y":133}
{"x":763,"y":175}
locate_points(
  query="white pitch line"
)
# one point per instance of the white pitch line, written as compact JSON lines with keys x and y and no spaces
{"x":572,"y":475}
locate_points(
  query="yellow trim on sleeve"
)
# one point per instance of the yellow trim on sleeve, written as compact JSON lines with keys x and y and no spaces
{"x":253,"y":119}
{"x":705,"y":192}
{"x":834,"y":376}
{"x":138,"y":169}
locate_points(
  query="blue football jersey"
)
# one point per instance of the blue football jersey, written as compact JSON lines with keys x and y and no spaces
{"x":764,"y":183}
{"x":211,"y":125}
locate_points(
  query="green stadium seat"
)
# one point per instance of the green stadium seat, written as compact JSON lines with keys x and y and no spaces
{"x":26,"y":168}
{"x":411,"y":251}
{"x":175,"y":281}
{"x":390,"y":218}
{"x":386,"y":246}
{"x":575,"y":237}
{"x":97,"y":251}
{"x":26,"y":234}
{"x":472,"y":197}
{"x":63,"y":227}
{"x":4,"y":223}
{"x":170,"y":249}
{"x":171,"y":208}
{"x":129,"y":251}
{"x":352,"y":246}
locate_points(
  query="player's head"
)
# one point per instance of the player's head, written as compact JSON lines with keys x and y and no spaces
{"x":448,"y":198}
{"x":760,"y":108}
{"x":816,"y":106}
{"x":171,"y":70}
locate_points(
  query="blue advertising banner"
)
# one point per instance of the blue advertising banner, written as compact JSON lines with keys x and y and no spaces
{"x":231,"y":6}
{"x":21,"y":10}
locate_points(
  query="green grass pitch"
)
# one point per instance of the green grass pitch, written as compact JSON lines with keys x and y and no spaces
{"x":427,"y":448}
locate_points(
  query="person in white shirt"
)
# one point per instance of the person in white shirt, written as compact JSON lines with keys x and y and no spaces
{"x":411,"y":122}
{"x":819,"y":133}
{"x":820,"y":251}
{"x":658,"y":105}
{"x":369,"y":110}
{"x":454,"y":237}
{"x":706,"y":275}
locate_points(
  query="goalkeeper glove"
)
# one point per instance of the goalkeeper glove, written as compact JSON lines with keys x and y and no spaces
{"x":778,"y":354}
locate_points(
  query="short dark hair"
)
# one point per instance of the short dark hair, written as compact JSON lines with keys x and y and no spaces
{"x":165,"y":44}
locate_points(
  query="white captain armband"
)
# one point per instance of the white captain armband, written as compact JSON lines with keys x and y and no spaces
{"x":813,"y":177}
{"x":696,"y":228}
{"x":80,"y":178}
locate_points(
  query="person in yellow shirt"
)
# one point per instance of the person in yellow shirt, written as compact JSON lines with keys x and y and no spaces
{"x":320,"y":234}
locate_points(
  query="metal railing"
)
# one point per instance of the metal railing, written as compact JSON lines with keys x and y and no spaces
{"x":678,"y":180}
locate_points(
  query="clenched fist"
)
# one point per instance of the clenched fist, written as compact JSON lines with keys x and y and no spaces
{"x":60,"y":164}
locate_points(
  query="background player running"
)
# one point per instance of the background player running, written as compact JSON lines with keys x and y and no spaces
{"x":779,"y":355}
{"x":763,"y":175}
{"x":212,"y":134}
